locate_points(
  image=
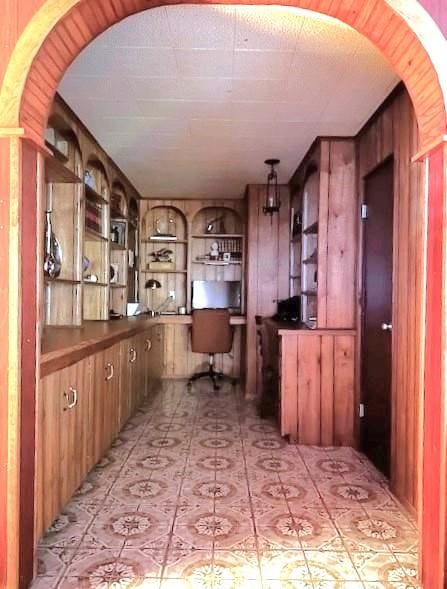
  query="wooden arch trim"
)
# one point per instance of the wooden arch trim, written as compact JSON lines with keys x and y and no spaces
{"x":62,"y":28}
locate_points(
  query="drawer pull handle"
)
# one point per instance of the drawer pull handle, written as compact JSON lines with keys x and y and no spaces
{"x":132,"y":355}
{"x":148,"y":345}
{"x":109,"y":371}
{"x":73,"y":394}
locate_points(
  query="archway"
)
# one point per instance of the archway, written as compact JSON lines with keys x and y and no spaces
{"x":51,"y":39}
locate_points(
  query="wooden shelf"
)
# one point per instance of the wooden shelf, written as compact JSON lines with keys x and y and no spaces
{"x":295,"y":240}
{"x":294,"y":277}
{"x":312,"y":229}
{"x":62,"y":281}
{"x":95,"y":283}
{"x":309,"y":293}
{"x":95,"y":235}
{"x":114,"y":285}
{"x":117,"y":246}
{"x":57,"y":173}
{"x":218,"y":235}
{"x":311,"y":260}
{"x":164,"y":271}
{"x":58,"y":154}
{"x":219,"y":263}
{"x":163,"y":240}
{"x":91,"y":194}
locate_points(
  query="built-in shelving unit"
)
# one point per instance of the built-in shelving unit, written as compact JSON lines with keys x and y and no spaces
{"x":183,"y":242}
{"x":63,"y":175}
{"x":323,"y":216}
{"x":95,"y":223}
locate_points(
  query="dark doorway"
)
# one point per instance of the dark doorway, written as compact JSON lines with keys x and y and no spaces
{"x":377,"y":312}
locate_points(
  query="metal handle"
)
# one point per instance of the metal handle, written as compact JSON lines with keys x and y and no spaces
{"x":148,"y":345}
{"x":386,"y":327}
{"x":132,"y":355}
{"x":109,"y":367}
{"x":74,"y":395}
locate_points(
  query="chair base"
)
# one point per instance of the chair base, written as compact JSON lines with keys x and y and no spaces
{"x":214,"y":375}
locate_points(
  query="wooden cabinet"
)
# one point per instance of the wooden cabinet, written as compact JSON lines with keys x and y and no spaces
{"x":309,"y":383}
{"x":63,"y":439}
{"x":80,"y":410}
{"x":317,"y":387}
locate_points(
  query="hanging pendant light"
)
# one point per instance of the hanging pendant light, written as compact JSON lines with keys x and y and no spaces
{"x":272,"y":201}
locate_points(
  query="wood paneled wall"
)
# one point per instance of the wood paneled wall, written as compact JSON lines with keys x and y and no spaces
{"x":393,"y":131}
{"x":267,"y":269}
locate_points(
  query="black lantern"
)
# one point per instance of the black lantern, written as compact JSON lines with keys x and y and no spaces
{"x":272,"y":202}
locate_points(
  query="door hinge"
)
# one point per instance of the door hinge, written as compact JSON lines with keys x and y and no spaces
{"x":361,"y":410}
{"x":364,"y":212}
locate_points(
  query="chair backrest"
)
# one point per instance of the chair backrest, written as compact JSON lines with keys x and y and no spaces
{"x":211,"y":331}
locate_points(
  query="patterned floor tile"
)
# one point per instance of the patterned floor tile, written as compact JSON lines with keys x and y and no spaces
{"x":197,"y":492}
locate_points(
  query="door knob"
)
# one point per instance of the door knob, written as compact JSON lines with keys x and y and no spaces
{"x":386,"y":327}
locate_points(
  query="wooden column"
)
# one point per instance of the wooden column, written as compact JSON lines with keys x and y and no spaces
{"x":18,"y":341}
{"x":433,"y":532}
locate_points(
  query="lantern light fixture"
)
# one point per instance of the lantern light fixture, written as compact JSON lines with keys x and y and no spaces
{"x":272,"y":197}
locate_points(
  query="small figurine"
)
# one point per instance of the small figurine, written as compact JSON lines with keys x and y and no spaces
{"x":214,"y":251}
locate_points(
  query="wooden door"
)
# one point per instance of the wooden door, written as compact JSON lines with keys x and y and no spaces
{"x":127,"y":378}
{"x":110,"y":373}
{"x":377,"y":311}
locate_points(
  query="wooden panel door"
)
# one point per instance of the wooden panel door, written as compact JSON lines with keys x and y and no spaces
{"x":377,"y":310}
{"x":80,"y":430}
{"x":111,"y":382}
{"x":127,"y":379}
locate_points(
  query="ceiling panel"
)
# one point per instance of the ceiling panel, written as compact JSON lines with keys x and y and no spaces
{"x":189,"y":100}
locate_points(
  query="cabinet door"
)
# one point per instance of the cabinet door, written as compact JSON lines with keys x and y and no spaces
{"x":127,"y":378}
{"x":111,"y":376}
{"x":74,"y":425}
{"x":157,"y":356}
{"x":48,"y":455}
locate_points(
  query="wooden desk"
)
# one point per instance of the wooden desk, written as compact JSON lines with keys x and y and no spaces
{"x":308,"y":379}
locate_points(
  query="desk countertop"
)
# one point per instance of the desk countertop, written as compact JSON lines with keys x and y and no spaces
{"x":62,"y":346}
{"x":290,"y":328}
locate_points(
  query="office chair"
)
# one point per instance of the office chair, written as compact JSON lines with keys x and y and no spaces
{"x":211,"y":334}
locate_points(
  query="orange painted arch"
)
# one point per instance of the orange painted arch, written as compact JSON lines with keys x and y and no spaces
{"x":400,"y":29}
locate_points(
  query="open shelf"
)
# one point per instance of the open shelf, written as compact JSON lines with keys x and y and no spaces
{"x":218,"y":263}
{"x":218,"y":235}
{"x":95,"y":283}
{"x":164,"y":240}
{"x":61,"y":281}
{"x":57,"y":173}
{"x":312,"y":229}
{"x":94,"y":196}
{"x":117,"y":246}
{"x":114,"y":285}
{"x":313,"y":259}
{"x":58,"y":154}
{"x":95,"y":235}
{"x":164,"y":271}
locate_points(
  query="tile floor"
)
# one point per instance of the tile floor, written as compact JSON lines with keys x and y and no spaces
{"x":199,"y":493}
